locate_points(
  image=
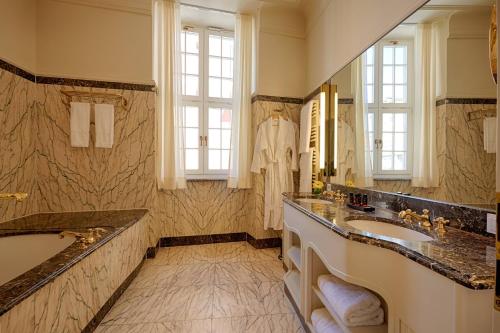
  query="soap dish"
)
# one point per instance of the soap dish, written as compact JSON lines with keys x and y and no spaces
{"x":361,"y":208}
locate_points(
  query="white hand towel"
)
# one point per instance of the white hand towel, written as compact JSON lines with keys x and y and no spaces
{"x":490,"y":134}
{"x":104,"y":125}
{"x":323,"y":322}
{"x":370,"y":319}
{"x":80,"y":124}
{"x":305,"y":165}
{"x":349,"y":300}
{"x":305,"y":127}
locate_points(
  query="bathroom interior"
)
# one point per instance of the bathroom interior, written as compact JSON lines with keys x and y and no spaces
{"x":316,"y":166}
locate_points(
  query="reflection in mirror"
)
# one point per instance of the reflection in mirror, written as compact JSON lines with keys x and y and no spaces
{"x":416,"y":110}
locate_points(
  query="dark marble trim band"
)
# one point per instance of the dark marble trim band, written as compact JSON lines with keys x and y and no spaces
{"x":220,"y":238}
{"x":296,"y":309}
{"x":346,"y":101}
{"x":73,"y":82}
{"x":17,"y":71}
{"x":312,"y":95}
{"x":152,"y":251}
{"x":264,"y":243}
{"x":466,"y":101}
{"x":94,"y":84}
{"x":99,"y":316}
{"x":291,"y":100}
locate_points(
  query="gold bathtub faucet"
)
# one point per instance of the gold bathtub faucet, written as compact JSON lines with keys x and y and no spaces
{"x":18,"y":196}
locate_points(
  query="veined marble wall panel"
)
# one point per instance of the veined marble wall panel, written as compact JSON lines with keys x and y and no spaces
{"x":17,"y":144}
{"x":94,"y":178}
{"x":205,"y":207}
{"x":261,"y":110}
{"x":69,"y":302}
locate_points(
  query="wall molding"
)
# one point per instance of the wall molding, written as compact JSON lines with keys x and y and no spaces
{"x":453,"y":100}
{"x":142,"y":7}
{"x":278,"y":99}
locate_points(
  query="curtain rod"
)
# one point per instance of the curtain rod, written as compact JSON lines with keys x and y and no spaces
{"x":207,"y":8}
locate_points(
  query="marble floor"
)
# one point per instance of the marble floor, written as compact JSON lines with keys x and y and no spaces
{"x":229,"y":287}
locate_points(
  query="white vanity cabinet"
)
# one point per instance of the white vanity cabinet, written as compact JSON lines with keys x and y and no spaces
{"x":416,"y":298}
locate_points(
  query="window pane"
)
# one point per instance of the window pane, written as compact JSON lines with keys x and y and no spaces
{"x":400,"y":122}
{"x":214,"y":136}
{"x":387,"y":122}
{"x":192,"y":39}
{"x":387,"y":94}
{"x":191,"y":137}
{"x":214,"y":45}
{"x":214,"y":117}
{"x":226,"y":118}
{"x":369,"y":94}
{"x":225,"y":159}
{"x":192,"y":64}
{"x":388,"y":55}
{"x":227,"y":88}
{"x":183,"y":62}
{"x":371,"y":140}
{"x":191,"y":116}
{"x":400,"y":94}
{"x":227,"y":47}
{"x":183,"y":41}
{"x":227,"y":68}
{"x":387,"y":144}
{"x":400,"y":55}
{"x":387,"y":161}
{"x":183,"y":84}
{"x":226,"y":139}
{"x":371,"y":121}
{"x":400,"y":161}
{"x":370,"y":56}
{"x":369,"y":74}
{"x":192,"y":157}
{"x":192,"y":86}
{"x":214,"y":159}
{"x":388,"y":74}
{"x":400,"y":141}
{"x":400,"y":74}
{"x":214,"y":87}
{"x":214,"y":66}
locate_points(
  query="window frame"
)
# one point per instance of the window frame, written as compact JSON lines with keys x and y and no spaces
{"x":378,"y":108}
{"x":205,"y":102}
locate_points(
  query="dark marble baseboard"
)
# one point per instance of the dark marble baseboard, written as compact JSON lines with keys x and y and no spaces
{"x":220,"y":238}
{"x":92,"y":325}
{"x":291,"y":100}
{"x":296,"y":309}
{"x":152,"y":251}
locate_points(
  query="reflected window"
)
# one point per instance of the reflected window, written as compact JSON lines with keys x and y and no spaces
{"x":388,"y":96}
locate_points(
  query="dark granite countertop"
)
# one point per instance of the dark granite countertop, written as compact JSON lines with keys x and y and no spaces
{"x":112,"y":223}
{"x":464,"y":257}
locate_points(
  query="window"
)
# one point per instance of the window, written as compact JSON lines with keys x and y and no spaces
{"x":207,"y":89}
{"x":388,"y":94}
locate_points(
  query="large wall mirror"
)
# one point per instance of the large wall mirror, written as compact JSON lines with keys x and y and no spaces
{"x":415,"y":112}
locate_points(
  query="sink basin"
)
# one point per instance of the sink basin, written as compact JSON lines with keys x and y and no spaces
{"x":317,"y":201}
{"x":389,"y":230}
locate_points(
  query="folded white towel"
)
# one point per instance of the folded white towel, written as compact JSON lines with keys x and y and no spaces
{"x":323,"y":322}
{"x":305,"y":127}
{"x":104,"y":125}
{"x":305,"y":165}
{"x":490,"y":134}
{"x":352,"y":303}
{"x":79,"y":124}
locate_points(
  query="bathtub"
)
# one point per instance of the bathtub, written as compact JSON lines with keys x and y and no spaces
{"x":20,"y":253}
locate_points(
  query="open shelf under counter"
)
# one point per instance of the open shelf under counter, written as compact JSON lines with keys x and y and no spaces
{"x":292,"y":281}
{"x":294,"y":255}
{"x":347,"y":329}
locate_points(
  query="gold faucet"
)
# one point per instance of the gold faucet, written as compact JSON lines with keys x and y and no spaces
{"x":18,"y":196}
{"x":440,"y":222}
{"x":86,"y":238}
{"x":408,"y":216}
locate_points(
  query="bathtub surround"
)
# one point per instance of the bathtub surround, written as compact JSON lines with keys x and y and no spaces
{"x":52,"y":298}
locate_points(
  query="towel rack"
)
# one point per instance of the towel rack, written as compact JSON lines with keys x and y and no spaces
{"x":75,"y":93}
{"x":480,"y":114}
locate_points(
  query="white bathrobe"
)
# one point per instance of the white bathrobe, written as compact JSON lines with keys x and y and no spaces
{"x":275,"y":150}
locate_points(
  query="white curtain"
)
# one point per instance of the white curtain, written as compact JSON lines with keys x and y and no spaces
{"x":425,"y":164}
{"x":363,"y":164}
{"x":241,"y":151}
{"x":167,"y":75}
